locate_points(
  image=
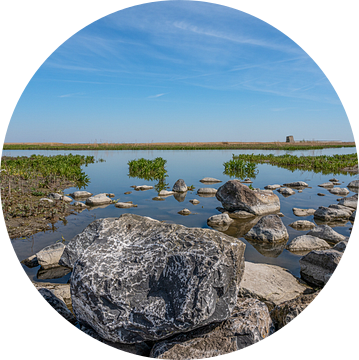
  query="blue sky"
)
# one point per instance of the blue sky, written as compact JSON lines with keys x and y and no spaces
{"x":178,"y":71}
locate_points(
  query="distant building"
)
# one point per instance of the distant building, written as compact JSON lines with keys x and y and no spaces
{"x":289,"y":139}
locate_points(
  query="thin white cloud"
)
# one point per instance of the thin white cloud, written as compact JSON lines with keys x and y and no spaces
{"x":155,"y":96}
{"x":70,"y":95}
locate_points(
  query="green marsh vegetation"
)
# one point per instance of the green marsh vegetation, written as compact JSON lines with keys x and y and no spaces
{"x":25,"y":179}
{"x":240,"y":168}
{"x":149,"y":170}
{"x":325,"y":164}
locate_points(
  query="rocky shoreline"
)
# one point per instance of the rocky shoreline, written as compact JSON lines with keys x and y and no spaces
{"x":167,"y":291}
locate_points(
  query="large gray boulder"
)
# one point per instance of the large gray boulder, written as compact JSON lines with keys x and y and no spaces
{"x":339,"y":191}
{"x":49,"y":256}
{"x":210,"y":180}
{"x":332,"y":213}
{"x":80,"y":194}
{"x":286,"y":191}
{"x":179,"y":186}
{"x":297,"y":184}
{"x":351,"y":201}
{"x":141,"y":279}
{"x":354,"y":185}
{"x":307,"y":243}
{"x":326,"y":233}
{"x":235,"y":196}
{"x":269,"y":229}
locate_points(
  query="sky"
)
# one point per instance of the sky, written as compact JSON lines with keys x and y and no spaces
{"x":176,"y":72}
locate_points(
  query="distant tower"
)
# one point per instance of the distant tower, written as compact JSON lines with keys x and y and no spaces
{"x":289,"y":139}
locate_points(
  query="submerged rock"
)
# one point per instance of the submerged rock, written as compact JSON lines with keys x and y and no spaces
{"x":141,"y":279}
{"x":218,"y":220}
{"x":194,"y":201}
{"x":125,"y":205}
{"x":235,"y":196}
{"x":184,"y":212}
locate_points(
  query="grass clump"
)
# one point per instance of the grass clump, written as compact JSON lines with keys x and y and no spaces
{"x":240,"y":168}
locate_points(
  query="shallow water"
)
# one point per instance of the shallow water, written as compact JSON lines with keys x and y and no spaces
{"x":112,"y":176}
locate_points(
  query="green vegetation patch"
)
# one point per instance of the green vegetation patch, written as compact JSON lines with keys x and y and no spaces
{"x":240,"y":168}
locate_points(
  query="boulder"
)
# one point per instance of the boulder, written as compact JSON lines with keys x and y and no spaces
{"x":249,"y":323}
{"x":141,"y":279}
{"x":219,"y":220}
{"x":237,"y":214}
{"x":317,"y":267}
{"x":31,"y":261}
{"x":55,"y":196}
{"x":235,"y":196}
{"x":295,"y":184}
{"x":99,"y":199}
{"x":339,"y":191}
{"x":285,"y":312}
{"x":354,"y":185}
{"x":307,"y":243}
{"x":350,"y":201}
{"x":270,"y":229}
{"x":79,"y":204}
{"x":302,"y":225}
{"x":61,"y":291}
{"x":326,"y":233}
{"x":333,"y":180}
{"x":352,"y":216}
{"x":269,"y":283}
{"x":286,"y":191}
{"x":49,"y":256}
{"x":331,"y":213}
{"x":80,"y":194}
{"x":210,"y":180}
{"x":341,"y":246}
{"x":303,"y":212}
{"x":179,"y":186}
{"x":327,"y":185}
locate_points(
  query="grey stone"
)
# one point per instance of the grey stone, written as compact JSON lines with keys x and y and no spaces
{"x":31,"y":261}
{"x":141,"y":279}
{"x":235,"y":196}
{"x":272,"y":187}
{"x":326,"y":233}
{"x":97,"y":200}
{"x":47,"y":200}
{"x":210,"y":180}
{"x":341,"y":246}
{"x":249,"y":323}
{"x":295,"y":184}
{"x":351,"y":201}
{"x":217,"y":220}
{"x":206,"y":191}
{"x":179,"y":186}
{"x":49,"y":256}
{"x":303,"y":212}
{"x":55,"y":196}
{"x":270,"y":229}
{"x":124,"y":205}
{"x":269,"y":283}
{"x":317,"y":267}
{"x":302,"y":225}
{"x":333,"y":180}
{"x":66,"y":199}
{"x":143,"y":187}
{"x":307,"y":243}
{"x":194,"y":201}
{"x":339,"y":191}
{"x":352,"y":216}
{"x":285,"y":312}
{"x":237,"y":214}
{"x":327,"y":185}
{"x":61,"y":291}
{"x":79,"y":204}
{"x":165,"y":193}
{"x":354,"y":185}
{"x":286,"y":191}
{"x":185,"y":212}
{"x":80,"y":194}
{"x":331,"y":214}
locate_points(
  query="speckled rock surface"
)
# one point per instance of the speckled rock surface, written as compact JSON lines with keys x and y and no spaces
{"x":179,"y":186}
{"x":307,"y":243}
{"x":141,"y":279}
{"x":99,"y":199}
{"x":286,"y":191}
{"x":302,"y":225}
{"x":351,"y":201}
{"x":332,"y":213}
{"x":327,"y":233}
{"x":80,"y":194}
{"x":295,"y":184}
{"x":49,"y":256}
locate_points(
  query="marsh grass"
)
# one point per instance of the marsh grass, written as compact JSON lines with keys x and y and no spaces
{"x":240,"y":168}
{"x":325,"y":164}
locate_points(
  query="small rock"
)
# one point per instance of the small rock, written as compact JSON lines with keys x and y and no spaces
{"x":111,"y":195}
{"x":326,"y":233}
{"x":303,"y":212}
{"x":158,"y":198}
{"x":184,"y":212}
{"x":99,"y":199}
{"x":307,"y":243}
{"x":272,"y":187}
{"x":219,"y":220}
{"x":296,"y":184}
{"x":351,"y":201}
{"x":55,"y":196}
{"x":210,"y":180}
{"x":80,"y":194}
{"x":31,"y":261}
{"x":302,"y":225}
{"x":46,"y":200}
{"x":179,"y":186}
{"x":354,"y":184}
{"x":127,"y":192}
{"x":124,"y":205}
{"x":66,"y":199}
{"x":79,"y":204}
{"x":49,"y":256}
{"x":247,"y":181}
{"x":268,"y":229}
{"x":165,"y":193}
{"x":327,"y":185}
{"x":321,"y":194}
{"x":339,"y":191}
{"x":194,"y":201}
{"x":143,"y":187}
{"x":286,"y":191}
{"x":333,"y":180}
{"x":206,"y":191}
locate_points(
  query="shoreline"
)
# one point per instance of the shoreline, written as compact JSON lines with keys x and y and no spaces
{"x":304,"y":145}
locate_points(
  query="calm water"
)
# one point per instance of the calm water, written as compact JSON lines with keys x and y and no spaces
{"x":112,"y":176}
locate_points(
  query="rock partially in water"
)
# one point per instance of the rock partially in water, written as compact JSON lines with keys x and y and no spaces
{"x":249,"y":323}
{"x":273,"y":187}
{"x":80,"y":194}
{"x":235,"y":196}
{"x":247,"y":181}
{"x":302,"y":225}
{"x":219,"y":220}
{"x":53,"y":273}
{"x":210,"y":180}
{"x":303,"y":212}
{"x":184,"y":212}
{"x":333,"y":180}
{"x":317,"y":267}
{"x":141,"y":279}
{"x":210,"y":192}
{"x":143,"y":187}
{"x":270,"y":229}
{"x":180,"y":186}
{"x":237,"y":214}
{"x":326,"y":233}
{"x":165,"y":193}
{"x":352,"y":216}
{"x":327,"y":185}
{"x":49,"y":256}
{"x":286,"y":191}
{"x":351,"y":201}
{"x":354,"y":185}
{"x":305,"y":243}
{"x":339,"y":191}
{"x":125,"y":205}
{"x":61,"y":291}
{"x":97,"y":200}
{"x":321,"y":194}
{"x":194,"y":201}
{"x":297,"y":184}
{"x":31,"y":261}
{"x":332,"y":213}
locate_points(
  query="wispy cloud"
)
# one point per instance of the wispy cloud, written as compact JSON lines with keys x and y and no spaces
{"x":155,"y":96}
{"x":70,"y":95}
